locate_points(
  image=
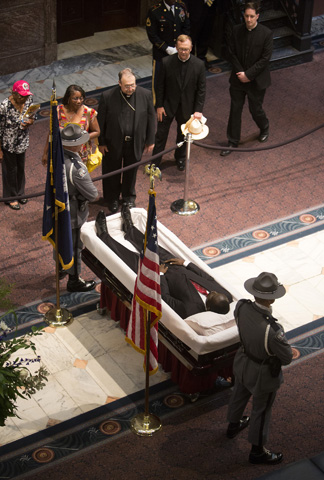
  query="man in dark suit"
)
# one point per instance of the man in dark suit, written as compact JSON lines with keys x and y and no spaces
{"x":165,"y":21}
{"x":176,"y":279}
{"x":127,"y":124}
{"x":250,"y":50}
{"x":180,"y":93}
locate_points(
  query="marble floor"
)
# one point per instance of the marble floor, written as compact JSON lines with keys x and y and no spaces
{"x":90,"y":364}
{"x":91,"y":62}
{"x":94,"y":62}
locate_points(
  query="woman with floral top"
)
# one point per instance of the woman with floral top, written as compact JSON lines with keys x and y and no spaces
{"x":14,"y":141}
{"x":73,"y":110}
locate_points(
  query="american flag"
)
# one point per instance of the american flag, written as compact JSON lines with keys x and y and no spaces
{"x":147,"y":293}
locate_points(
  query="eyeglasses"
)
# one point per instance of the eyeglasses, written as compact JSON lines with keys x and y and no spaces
{"x":183,"y":50}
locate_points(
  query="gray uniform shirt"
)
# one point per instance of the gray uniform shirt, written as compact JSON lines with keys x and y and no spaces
{"x":80,"y":186}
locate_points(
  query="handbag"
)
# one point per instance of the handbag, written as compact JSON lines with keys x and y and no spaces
{"x":94,"y":160}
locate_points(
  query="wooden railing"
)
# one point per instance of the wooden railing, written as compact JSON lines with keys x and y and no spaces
{"x":300,"y":13}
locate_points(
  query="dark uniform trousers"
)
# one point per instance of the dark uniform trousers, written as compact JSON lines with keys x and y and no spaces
{"x":255,"y":100}
{"x":261,"y":412}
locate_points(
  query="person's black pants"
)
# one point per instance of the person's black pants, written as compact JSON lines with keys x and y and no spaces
{"x":161,"y":137}
{"x":13,"y":174}
{"x":120,"y":184}
{"x":255,"y":100}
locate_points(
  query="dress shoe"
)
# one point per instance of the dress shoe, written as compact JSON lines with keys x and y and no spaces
{"x":127,"y":218}
{"x":266,"y":457}
{"x":263,"y":137}
{"x":130,"y":202}
{"x":14,"y":206}
{"x":101,"y":225}
{"x":113,"y":206}
{"x":23,"y":201}
{"x":235,"y":428}
{"x":62,"y":274}
{"x":80,"y":285}
{"x":225,"y":153}
{"x":181,"y":165}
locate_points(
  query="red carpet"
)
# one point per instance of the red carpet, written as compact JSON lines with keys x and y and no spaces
{"x":234,"y":193}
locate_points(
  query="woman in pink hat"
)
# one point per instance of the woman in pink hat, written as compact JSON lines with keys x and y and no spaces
{"x":14,"y":141}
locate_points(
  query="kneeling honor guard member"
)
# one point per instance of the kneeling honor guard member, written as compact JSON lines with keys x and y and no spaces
{"x":257,"y":365}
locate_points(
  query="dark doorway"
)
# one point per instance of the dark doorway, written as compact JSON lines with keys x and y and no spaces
{"x":82,"y":18}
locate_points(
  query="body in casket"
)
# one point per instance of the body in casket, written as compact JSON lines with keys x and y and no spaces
{"x":196,"y":349}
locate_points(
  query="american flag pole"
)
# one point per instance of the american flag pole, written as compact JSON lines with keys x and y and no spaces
{"x":147,"y":293}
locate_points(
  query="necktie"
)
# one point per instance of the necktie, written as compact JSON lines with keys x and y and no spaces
{"x":210,"y":2}
{"x":199,"y":288}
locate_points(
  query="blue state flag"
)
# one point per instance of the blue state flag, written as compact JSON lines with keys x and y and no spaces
{"x":56,"y":194}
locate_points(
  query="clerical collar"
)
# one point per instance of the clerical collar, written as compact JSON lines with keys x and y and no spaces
{"x":251,"y":29}
{"x":124,"y":94}
{"x":183,"y":61}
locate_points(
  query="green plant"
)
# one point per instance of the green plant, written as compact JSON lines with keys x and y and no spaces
{"x":16,"y":380}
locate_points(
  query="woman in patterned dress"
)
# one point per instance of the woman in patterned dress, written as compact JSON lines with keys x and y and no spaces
{"x":73,"y":110}
{"x":14,"y":141}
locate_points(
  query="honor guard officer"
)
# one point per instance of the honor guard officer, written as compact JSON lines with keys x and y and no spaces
{"x":165,"y":22}
{"x":81,"y":191}
{"x":257,"y":365}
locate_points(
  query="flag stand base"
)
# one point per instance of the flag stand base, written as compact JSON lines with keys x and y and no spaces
{"x":145,"y":424}
{"x":58,"y":317}
{"x":185,"y":207}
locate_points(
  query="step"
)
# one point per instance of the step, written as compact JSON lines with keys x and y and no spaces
{"x":274,"y":19}
{"x":289,"y":56}
{"x":282,"y":37}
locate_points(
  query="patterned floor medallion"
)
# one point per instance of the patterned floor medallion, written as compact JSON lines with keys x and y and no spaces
{"x":43,"y":455}
{"x":173,"y":401}
{"x":110,"y":427}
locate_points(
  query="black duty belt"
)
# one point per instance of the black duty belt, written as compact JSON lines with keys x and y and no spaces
{"x":255,"y":359}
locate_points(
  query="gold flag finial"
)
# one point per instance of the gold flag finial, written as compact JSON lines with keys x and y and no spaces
{"x":153,"y":171}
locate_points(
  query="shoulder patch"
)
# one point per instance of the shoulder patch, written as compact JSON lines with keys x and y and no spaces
{"x":158,"y":5}
{"x":81,"y":172}
{"x":280,"y":335}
